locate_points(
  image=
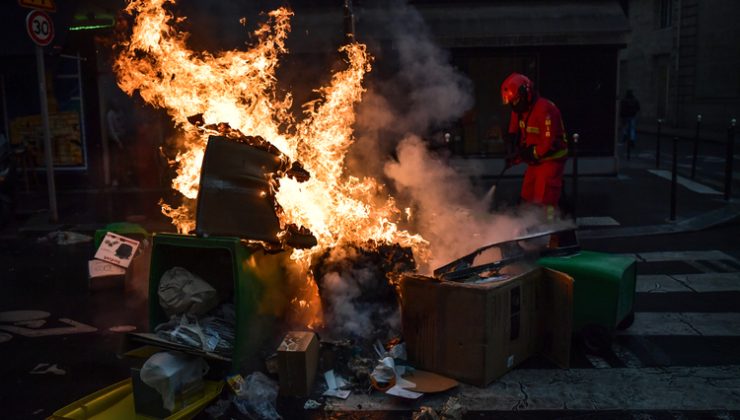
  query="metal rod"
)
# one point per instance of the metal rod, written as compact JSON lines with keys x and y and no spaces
{"x":574,"y":151}
{"x":5,"y":107}
{"x":657,"y":144}
{"x":48,"y":155}
{"x":83,"y":129}
{"x":729,"y":158}
{"x":696,"y":146}
{"x":674,"y":179}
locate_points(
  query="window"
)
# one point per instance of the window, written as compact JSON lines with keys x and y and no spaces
{"x":665,"y":13}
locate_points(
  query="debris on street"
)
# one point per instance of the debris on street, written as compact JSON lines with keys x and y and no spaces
{"x":257,"y":396}
{"x":44,"y":368}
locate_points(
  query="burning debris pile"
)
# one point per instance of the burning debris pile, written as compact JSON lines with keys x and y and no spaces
{"x":285,"y":229}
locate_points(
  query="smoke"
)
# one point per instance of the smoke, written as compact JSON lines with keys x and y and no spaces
{"x":400,"y":114}
{"x":445,"y":210}
{"x":357,"y":297}
{"x":416,"y":90}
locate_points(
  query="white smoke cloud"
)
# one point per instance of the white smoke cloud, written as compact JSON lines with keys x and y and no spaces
{"x":446,"y":211}
{"x":423,"y":94}
{"x":356,"y":297}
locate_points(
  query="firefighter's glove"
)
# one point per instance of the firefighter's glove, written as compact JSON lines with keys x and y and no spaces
{"x":529,"y":154}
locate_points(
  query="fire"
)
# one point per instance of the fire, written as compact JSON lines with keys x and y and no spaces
{"x":240,"y":88}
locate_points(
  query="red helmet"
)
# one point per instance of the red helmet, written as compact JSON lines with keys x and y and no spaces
{"x":515,"y":88}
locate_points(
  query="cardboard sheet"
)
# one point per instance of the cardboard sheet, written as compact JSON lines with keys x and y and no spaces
{"x":428,"y":382}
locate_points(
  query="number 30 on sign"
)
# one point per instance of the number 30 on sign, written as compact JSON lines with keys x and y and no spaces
{"x":40,"y":28}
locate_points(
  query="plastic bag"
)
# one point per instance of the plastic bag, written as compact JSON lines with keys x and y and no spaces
{"x":169,"y":372}
{"x":181,"y":291}
{"x":256,"y":397}
{"x":185,"y":330}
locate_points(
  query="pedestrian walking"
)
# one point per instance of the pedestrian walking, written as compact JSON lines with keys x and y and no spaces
{"x":629,"y":107}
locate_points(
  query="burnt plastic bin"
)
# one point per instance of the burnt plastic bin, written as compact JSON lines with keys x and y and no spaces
{"x":236,"y":271}
{"x":603,"y":293}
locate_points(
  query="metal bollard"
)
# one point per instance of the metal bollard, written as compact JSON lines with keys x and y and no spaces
{"x":696,"y":146}
{"x":674,"y":179}
{"x":729,"y":158}
{"x":657,"y":144}
{"x":574,"y":154}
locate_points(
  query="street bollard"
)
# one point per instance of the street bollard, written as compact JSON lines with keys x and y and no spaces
{"x":657,"y":144}
{"x":574,"y":154}
{"x":729,"y":157}
{"x":674,"y":179}
{"x":696,"y":146}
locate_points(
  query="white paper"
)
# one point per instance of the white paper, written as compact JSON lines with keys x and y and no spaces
{"x":117,"y":249}
{"x":403,"y":393}
{"x":339,"y":393}
{"x":333,"y":382}
{"x":97,"y":268}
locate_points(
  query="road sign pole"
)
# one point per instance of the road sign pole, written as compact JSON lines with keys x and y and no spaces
{"x":53,"y":215}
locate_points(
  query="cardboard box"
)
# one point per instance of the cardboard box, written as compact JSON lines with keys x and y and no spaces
{"x":298,"y":356}
{"x":476,"y":333}
{"x":104,"y":275}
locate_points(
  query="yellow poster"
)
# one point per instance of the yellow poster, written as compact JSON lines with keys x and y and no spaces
{"x":65,"y":138}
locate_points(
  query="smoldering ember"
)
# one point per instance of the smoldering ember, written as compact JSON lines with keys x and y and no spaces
{"x":369,"y":209}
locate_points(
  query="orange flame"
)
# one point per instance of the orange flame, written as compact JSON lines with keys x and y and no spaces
{"x":239,"y":87}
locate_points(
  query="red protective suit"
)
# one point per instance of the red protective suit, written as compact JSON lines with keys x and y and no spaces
{"x":542,"y":127}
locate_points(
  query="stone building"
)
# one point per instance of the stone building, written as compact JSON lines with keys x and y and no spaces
{"x":683,"y":59}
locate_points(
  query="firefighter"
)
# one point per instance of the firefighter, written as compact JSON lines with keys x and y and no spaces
{"x":538,"y":137}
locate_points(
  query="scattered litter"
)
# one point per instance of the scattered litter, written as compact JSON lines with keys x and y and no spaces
{"x":35,"y":323}
{"x":335,"y":383}
{"x":361,"y":368}
{"x":397,"y":391}
{"x":257,"y":396}
{"x":425,"y":413}
{"x":44,"y":368}
{"x":211,"y":333}
{"x":218,"y":408}
{"x":398,"y":351}
{"x":65,"y":238}
{"x":122,"y":328}
{"x":168,"y":372}
{"x":19,"y":316}
{"x":97,"y":269}
{"x":384,"y":373}
{"x":5,"y":337}
{"x":311,"y":405}
{"x":39,"y":411}
{"x":117,"y":249}
{"x":428,"y":382}
{"x":453,"y":409}
{"x":181,"y":291}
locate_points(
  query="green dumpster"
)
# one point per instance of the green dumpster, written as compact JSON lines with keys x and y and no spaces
{"x":603,"y":290}
{"x":129,"y":230}
{"x":241,"y":274}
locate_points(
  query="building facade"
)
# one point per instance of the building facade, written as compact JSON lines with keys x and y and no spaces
{"x":683,"y":59}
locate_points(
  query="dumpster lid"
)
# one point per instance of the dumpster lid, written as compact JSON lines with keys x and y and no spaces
{"x":236,"y":195}
{"x":549,"y":242}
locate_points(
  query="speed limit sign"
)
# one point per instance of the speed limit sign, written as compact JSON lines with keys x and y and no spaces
{"x":40,"y":28}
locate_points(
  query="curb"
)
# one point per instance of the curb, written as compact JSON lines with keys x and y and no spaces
{"x":693,"y":224}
